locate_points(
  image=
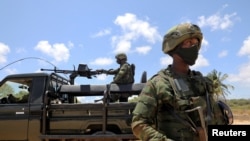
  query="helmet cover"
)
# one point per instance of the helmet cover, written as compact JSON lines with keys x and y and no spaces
{"x":121,"y":56}
{"x":178,"y":34}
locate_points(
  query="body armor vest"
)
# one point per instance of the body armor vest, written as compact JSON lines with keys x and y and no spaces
{"x":189,"y":92}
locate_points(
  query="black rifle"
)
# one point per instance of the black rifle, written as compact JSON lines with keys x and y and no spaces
{"x":82,"y":71}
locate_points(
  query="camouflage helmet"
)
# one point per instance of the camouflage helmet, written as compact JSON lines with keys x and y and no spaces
{"x":121,"y":56}
{"x":178,"y":34}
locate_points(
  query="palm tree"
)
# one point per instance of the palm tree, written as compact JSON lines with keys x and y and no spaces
{"x":220,"y":89}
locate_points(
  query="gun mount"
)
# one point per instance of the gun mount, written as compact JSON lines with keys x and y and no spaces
{"x":83,"y":71}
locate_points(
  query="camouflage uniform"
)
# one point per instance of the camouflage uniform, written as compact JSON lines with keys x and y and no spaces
{"x":158,"y":98}
{"x":122,"y":75}
{"x":161,"y":111}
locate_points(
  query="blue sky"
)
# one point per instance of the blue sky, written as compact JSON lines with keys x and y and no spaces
{"x":67,"y":33}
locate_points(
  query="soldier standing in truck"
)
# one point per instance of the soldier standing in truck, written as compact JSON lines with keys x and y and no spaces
{"x":122,"y":75}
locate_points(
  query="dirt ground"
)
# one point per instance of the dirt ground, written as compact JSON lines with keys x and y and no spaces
{"x":241,"y":120}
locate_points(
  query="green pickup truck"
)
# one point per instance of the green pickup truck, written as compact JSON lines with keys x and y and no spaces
{"x":43,"y":107}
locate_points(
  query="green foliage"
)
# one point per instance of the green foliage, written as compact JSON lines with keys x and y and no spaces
{"x":21,"y":94}
{"x":5,"y":89}
{"x":239,"y":103}
{"x":220,"y":88}
{"x":239,"y":106}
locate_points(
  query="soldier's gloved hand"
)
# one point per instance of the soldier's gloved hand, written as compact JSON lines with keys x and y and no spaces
{"x":100,"y":71}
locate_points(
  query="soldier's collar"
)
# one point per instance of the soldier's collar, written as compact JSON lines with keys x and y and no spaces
{"x":170,"y":71}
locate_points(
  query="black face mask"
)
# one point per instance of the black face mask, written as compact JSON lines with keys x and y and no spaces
{"x":189,"y":55}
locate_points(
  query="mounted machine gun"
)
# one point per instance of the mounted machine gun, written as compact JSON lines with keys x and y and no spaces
{"x":82,"y":71}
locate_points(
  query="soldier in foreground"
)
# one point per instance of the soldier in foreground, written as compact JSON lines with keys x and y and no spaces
{"x":122,"y":75}
{"x":177,"y":103}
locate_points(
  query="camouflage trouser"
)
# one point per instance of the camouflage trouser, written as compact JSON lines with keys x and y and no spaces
{"x":120,"y":97}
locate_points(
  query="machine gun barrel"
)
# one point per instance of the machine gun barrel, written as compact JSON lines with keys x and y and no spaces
{"x":59,"y":71}
{"x":82,"y":71}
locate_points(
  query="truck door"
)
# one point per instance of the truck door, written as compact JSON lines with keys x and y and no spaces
{"x":14,"y":108}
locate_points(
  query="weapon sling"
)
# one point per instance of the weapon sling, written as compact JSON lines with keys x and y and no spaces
{"x":199,"y":130}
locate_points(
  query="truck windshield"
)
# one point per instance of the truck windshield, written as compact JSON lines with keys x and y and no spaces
{"x":15,"y":91}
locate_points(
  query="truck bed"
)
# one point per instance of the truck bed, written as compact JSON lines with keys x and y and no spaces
{"x":92,"y":121}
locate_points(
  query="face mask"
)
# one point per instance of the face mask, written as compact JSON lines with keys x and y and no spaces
{"x":189,"y":55}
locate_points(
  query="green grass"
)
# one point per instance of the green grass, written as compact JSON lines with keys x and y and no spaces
{"x":240,"y":106}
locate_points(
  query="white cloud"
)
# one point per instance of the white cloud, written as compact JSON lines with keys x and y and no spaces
{"x":204,"y":45}
{"x":243,"y":76}
{"x":217,"y":21}
{"x":223,"y":53}
{"x":102,"y":61}
{"x":102,"y":76}
{"x":205,"y":42}
{"x":200,"y":62}
{"x":58,"y":51}
{"x":143,"y":49}
{"x":122,"y":45}
{"x":102,"y":33}
{"x":133,"y":28}
{"x":4,"y":50}
{"x":166,"y":60}
{"x":245,"y":49}
{"x":130,"y":23}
